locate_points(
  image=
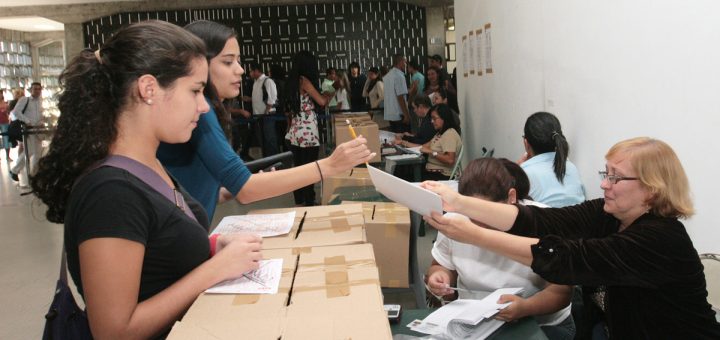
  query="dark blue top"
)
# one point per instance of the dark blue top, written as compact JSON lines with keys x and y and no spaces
{"x":205,"y":163}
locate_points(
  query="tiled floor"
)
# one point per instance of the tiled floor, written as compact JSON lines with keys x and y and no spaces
{"x":30,"y":257}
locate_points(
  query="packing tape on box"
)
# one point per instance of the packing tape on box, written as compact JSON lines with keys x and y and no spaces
{"x":301,"y":250}
{"x":393,"y":283}
{"x":249,"y":299}
{"x":339,"y":290}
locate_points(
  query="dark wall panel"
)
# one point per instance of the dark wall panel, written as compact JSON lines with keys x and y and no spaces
{"x":368,"y":32}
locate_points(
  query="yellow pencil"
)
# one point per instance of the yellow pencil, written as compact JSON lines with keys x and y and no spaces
{"x":352,"y":132}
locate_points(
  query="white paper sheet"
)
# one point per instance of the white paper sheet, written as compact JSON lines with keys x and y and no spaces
{"x":403,"y":156}
{"x":264,"y":280}
{"x":417,"y":199}
{"x":263,"y":225}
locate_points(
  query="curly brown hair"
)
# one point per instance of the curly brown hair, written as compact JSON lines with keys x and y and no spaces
{"x":96,"y":89}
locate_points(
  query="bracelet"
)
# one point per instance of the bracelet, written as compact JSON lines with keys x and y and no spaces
{"x":320,"y":171}
{"x":213,"y":244}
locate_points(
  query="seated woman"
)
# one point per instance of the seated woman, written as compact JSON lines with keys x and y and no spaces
{"x":641,"y":276}
{"x":481,"y":271}
{"x":443,"y":148}
{"x":554,"y":180}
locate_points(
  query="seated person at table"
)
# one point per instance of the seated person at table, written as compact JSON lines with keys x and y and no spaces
{"x":481,"y":271}
{"x":441,"y":97}
{"x":425,"y":129}
{"x":443,"y":148}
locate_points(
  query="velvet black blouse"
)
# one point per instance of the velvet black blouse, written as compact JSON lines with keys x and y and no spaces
{"x":651,"y":273}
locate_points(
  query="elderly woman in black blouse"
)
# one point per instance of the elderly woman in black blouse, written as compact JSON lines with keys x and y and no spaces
{"x":641,"y":275}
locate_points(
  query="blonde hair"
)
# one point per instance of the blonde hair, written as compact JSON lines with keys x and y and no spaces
{"x":659,"y":170}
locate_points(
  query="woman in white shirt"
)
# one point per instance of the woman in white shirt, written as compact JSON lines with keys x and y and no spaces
{"x":479,"y":271}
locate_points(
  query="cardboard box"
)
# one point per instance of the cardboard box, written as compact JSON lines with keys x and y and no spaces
{"x":319,"y":226}
{"x":351,"y":178}
{"x":367,"y":129}
{"x":226,"y":316}
{"x":354,"y":117}
{"x":335,"y":295}
{"x":387,"y":227}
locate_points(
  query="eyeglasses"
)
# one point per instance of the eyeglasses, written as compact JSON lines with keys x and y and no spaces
{"x":614,"y":179}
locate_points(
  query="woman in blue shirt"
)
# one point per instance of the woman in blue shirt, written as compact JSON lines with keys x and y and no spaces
{"x":554,"y":180}
{"x":207,"y":162}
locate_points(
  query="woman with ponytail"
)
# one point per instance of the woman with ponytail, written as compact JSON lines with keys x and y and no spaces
{"x":138,"y":259}
{"x":554,"y":180}
{"x":207,"y":162}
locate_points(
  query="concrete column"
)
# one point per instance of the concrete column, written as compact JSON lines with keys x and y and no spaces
{"x":435,"y":30}
{"x":73,"y":40}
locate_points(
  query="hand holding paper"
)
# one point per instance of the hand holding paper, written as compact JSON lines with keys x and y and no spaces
{"x":450,"y":197}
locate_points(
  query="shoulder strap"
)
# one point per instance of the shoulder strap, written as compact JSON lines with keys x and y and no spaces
{"x":151,"y":178}
{"x":27,"y":102}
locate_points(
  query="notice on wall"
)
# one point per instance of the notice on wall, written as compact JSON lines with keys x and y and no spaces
{"x":471,"y":52}
{"x":479,"y":51}
{"x":466,"y":62}
{"x":488,"y":49}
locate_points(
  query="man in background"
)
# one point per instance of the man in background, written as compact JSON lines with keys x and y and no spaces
{"x":29,"y":111}
{"x":264,"y":98}
{"x":396,"y":108}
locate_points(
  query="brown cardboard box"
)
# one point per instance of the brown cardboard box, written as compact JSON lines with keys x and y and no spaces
{"x":228,"y":316}
{"x":367,"y":129}
{"x":353,"y":117}
{"x":335,"y":295}
{"x":351,"y":178}
{"x":319,"y":226}
{"x":387,"y":227}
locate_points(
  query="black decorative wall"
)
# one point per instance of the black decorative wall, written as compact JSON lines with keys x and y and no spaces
{"x":368,"y":32}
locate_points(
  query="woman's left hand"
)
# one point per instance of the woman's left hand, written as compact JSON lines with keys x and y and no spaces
{"x":349,"y":154}
{"x":516,"y":310}
{"x":454,"y":226}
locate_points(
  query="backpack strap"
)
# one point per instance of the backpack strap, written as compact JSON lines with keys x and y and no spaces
{"x":151,"y":178}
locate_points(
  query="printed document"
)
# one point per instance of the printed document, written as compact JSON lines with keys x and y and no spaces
{"x":263,"y":225}
{"x":417,"y":199}
{"x":466,"y":318}
{"x":264,"y":280}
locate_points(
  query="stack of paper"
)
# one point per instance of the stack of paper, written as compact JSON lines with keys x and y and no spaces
{"x":403,"y":156}
{"x":265,"y":225}
{"x":465,"y":319}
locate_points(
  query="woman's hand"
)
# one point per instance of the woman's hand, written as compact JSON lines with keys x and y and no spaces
{"x":438,"y":282}
{"x":451,"y":198}
{"x":239,"y":254}
{"x":347,"y":155}
{"x":523,"y":158}
{"x":224,"y":195}
{"x":455,"y":226}
{"x":516,"y":310}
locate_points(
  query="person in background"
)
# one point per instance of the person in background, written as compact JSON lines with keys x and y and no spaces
{"x":396,"y":105}
{"x":4,"y":124}
{"x":17,"y":94}
{"x":28,"y":110}
{"x":328,"y":86}
{"x":137,"y":260}
{"x":374,"y":89}
{"x":357,"y":84}
{"x":264,"y":101}
{"x":641,"y":276}
{"x":303,"y":135}
{"x":554,"y":180}
{"x":478,"y":271}
{"x":441,"y":97}
{"x":425,"y":129}
{"x":442,"y":150}
{"x":433,"y":83}
{"x":417,"y":80}
{"x":207,"y":162}
{"x":341,"y":92}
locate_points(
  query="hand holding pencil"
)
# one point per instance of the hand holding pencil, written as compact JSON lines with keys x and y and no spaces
{"x":347,"y":155}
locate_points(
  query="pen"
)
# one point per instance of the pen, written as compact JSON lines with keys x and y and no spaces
{"x":459,"y":289}
{"x":352,"y":132}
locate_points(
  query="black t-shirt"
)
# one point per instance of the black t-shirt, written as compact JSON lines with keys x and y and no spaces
{"x":111,"y":202}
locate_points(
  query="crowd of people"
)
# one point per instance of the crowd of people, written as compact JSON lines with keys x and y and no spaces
{"x":155,"y":96}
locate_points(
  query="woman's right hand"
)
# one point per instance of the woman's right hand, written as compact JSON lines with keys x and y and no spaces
{"x":438,"y":282}
{"x":450,"y":197}
{"x":238,"y":254}
{"x":348,"y":155}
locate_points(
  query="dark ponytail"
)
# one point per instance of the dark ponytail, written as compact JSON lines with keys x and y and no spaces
{"x":96,"y":89}
{"x":544,"y":134}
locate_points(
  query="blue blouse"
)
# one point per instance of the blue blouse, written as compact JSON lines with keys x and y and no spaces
{"x":205,"y":163}
{"x":545,"y":187}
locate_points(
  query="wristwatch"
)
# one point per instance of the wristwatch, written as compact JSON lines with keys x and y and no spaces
{"x":434,"y":153}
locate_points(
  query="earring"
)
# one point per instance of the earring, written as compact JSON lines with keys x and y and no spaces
{"x":149,"y":101}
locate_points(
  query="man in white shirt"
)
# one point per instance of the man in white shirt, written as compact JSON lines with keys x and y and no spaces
{"x":396,"y":90}
{"x":28,"y":110}
{"x":264,"y":98}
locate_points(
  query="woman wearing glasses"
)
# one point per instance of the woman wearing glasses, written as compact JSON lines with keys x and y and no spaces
{"x":641,"y":275}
